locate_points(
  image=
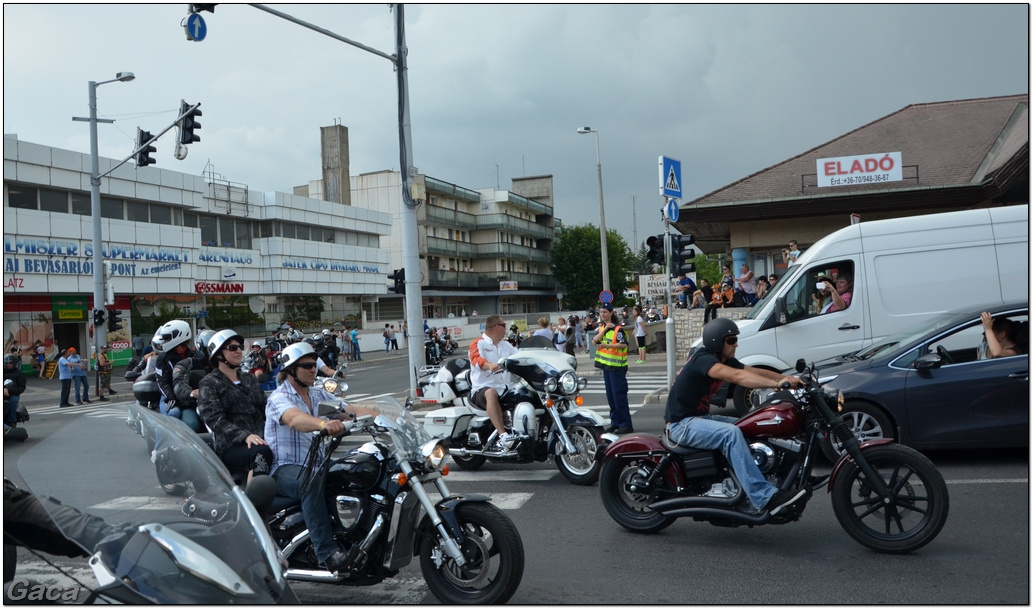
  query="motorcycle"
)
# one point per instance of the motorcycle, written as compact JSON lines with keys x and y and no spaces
{"x":886,"y":496}
{"x":144,"y":546}
{"x":469,"y":550}
{"x":514,"y":336}
{"x":448,"y":345}
{"x":542,"y":408}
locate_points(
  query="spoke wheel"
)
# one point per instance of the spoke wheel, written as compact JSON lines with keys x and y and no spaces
{"x":581,"y":467}
{"x":912,"y":514}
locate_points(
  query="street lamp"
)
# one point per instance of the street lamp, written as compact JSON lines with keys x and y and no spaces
{"x":98,"y":258}
{"x":602,"y":210}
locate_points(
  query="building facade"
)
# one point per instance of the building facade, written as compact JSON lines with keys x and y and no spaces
{"x":180,"y":246}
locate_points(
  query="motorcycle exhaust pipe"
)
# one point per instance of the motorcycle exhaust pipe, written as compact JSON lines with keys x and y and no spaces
{"x":728,"y":514}
{"x":667,"y":506}
{"x":311,"y":575}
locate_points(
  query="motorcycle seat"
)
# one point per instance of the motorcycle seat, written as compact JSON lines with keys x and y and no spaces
{"x":678,"y":449}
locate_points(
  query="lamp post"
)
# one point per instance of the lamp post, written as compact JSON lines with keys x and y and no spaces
{"x":602,"y":210}
{"x":98,"y":258}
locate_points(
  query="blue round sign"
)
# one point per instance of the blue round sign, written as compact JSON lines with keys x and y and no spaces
{"x":606,"y":296}
{"x":671,"y":210}
{"x":196,"y":28}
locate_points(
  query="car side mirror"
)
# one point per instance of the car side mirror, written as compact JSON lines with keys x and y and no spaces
{"x":929,"y":361}
{"x":780,"y":311}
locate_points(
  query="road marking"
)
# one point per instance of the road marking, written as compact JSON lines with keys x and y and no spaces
{"x":509,"y":501}
{"x":498,"y":476}
{"x":990,"y":481}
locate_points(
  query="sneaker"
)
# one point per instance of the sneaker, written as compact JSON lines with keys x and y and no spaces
{"x":78,"y":403}
{"x":88,"y":401}
{"x":65,"y":405}
{"x":640,"y":361}
{"x":506,"y":440}
{"x":784,"y":498}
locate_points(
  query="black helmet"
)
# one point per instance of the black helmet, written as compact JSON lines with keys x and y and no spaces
{"x":11,"y":358}
{"x":715,"y":331}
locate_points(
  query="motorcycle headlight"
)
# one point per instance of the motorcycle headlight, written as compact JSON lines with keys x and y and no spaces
{"x":568,"y":382}
{"x":434,"y":454}
{"x":582,"y":383}
{"x":330,"y":386}
{"x":550,"y":385}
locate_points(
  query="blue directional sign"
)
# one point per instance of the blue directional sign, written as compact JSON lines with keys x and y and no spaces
{"x":606,"y":296}
{"x":671,"y":210}
{"x":196,"y":28}
{"x":670,"y":177}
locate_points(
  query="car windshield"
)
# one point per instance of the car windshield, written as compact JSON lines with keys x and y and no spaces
{"x":786,"y":279}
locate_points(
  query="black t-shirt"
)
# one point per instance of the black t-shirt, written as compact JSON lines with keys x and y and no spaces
{"x":690,"y":395}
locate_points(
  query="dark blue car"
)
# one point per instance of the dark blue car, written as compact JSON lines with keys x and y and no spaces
{"x":933,"y":388}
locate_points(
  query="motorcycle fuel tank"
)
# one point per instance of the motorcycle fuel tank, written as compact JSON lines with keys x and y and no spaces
{"x":776,"y":418}
{"x":357,"y":471}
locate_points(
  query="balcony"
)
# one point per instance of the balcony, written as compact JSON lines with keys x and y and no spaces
{"x":511,"y":250}
{"x":450,"y":247}
{"x":448,"y":217}
{"x":516,"y":225}
{"x":451,"y":190}
{"x":487,"y":281}
{"x":530,"y":204}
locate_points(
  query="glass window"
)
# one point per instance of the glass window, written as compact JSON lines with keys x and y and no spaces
{"x":209,"y":230}
{"x":53,"y":200}
{"x":137,"y":212}
{"x":265,"y":229}
{"x":302,"y":231}
{"x":189,"y":220}
{"x":111,"y":208}
{"x":226,"y":233}
{"x":82,"y":204}
{"x":329,"y":235}
{"x":21,"y":197}
{"x":161,"y":214}
{"x":288,"y":230}
{"x":805,"y":300}
{"x":243,"y":234}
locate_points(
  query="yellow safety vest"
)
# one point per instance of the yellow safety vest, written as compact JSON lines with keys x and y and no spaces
{"x":611,"y":354}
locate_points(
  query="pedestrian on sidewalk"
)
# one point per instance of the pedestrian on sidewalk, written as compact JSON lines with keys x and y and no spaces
{"x":394,"y":339}
{"x":64,"y":372}
{"x":39,"y":355}
{"x":104,"y":373}
{"x":356,"y":351}
{"x":387,"y":338}
{"x":640,"y":334}
{"x":79,"y":377}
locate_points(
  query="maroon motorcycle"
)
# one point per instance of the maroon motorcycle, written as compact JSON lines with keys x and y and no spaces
{"x":886,"y":496}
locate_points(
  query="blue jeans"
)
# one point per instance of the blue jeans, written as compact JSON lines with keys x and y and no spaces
{"x":716,"y":432}
{"x":313,"y":507}
{"x":356,"y":352}
{"x":11,"y":416}
{"x":85,"y":382}
{"x":616,"y":383}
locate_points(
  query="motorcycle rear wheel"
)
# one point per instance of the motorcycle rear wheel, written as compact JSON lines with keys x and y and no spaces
{"x":494,"y":559}
{"x":911,"y":517}
{"x":581,"y":468}
{"x":627,"y":507}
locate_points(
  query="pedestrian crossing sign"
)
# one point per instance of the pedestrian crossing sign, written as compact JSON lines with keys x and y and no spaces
{"x":670,"y":177}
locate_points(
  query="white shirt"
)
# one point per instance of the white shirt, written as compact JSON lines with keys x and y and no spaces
{"x":483,"y":350}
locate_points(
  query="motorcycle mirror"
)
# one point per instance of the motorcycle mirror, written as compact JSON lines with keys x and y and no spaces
{"x":801,"y":365}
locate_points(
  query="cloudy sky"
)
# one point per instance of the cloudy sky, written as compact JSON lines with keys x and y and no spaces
{"x":498,"y":91}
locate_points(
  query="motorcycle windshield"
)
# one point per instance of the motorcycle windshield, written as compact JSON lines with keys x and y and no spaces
{"x":404,"y":430}
{"x":112,"y":475}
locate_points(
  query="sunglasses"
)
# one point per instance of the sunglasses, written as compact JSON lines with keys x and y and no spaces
{"x":731,"y":340}
{"x":234,"y":347}
{"x":307,"y":365}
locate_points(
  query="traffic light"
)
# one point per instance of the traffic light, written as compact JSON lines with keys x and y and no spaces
{"x":143,"y":148}
{"x":682,"y":253}
{"x":114,"y":320}
{"x":398,"y":277}
{"x":655,"y":255}
{"x":188,"y":124}
{"x":98,"y":318}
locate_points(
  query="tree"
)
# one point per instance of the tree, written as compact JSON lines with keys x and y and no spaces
{"x":577,"y":264}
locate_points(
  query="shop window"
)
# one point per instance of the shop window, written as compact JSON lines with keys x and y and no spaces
{"x":53,"y":200}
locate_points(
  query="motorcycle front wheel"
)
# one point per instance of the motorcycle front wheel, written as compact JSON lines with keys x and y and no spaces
{"x":581,"y":467}
{"x":909,"y":518}
{"x":625,"y":505}
{"x":494,"y":556}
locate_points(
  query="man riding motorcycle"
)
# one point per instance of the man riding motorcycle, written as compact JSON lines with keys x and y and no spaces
{"x":291,"y":416}
{"x":485,"y":384}
{"x":690,"y":423}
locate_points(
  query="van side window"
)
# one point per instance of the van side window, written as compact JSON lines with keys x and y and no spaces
{"x":805,"y":300}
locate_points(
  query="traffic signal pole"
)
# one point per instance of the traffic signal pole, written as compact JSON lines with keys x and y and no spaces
{"x":669,"y":322}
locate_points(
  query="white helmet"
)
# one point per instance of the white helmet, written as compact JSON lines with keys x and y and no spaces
{"x":173,"y":334}
{"x":292,"y":353}
{"x":296,"y":336}
{"x":219,"y":339}
{"x":157,"y":341}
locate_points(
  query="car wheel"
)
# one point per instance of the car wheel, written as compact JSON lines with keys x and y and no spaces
{"x":866,"y":421}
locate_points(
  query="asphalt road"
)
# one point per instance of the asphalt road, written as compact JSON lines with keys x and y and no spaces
{"x":576,"y":554}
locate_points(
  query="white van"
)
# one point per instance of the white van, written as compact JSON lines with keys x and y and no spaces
{"x":904,"y":270}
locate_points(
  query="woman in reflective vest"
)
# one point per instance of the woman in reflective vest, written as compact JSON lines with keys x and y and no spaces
{"x":611,"y":356}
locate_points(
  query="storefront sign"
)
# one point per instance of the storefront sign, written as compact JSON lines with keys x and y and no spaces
{"x":208,"y":287}
{"x":863,"y":169}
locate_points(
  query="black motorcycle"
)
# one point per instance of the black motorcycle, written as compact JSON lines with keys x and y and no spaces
{"x":470,"y":552}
